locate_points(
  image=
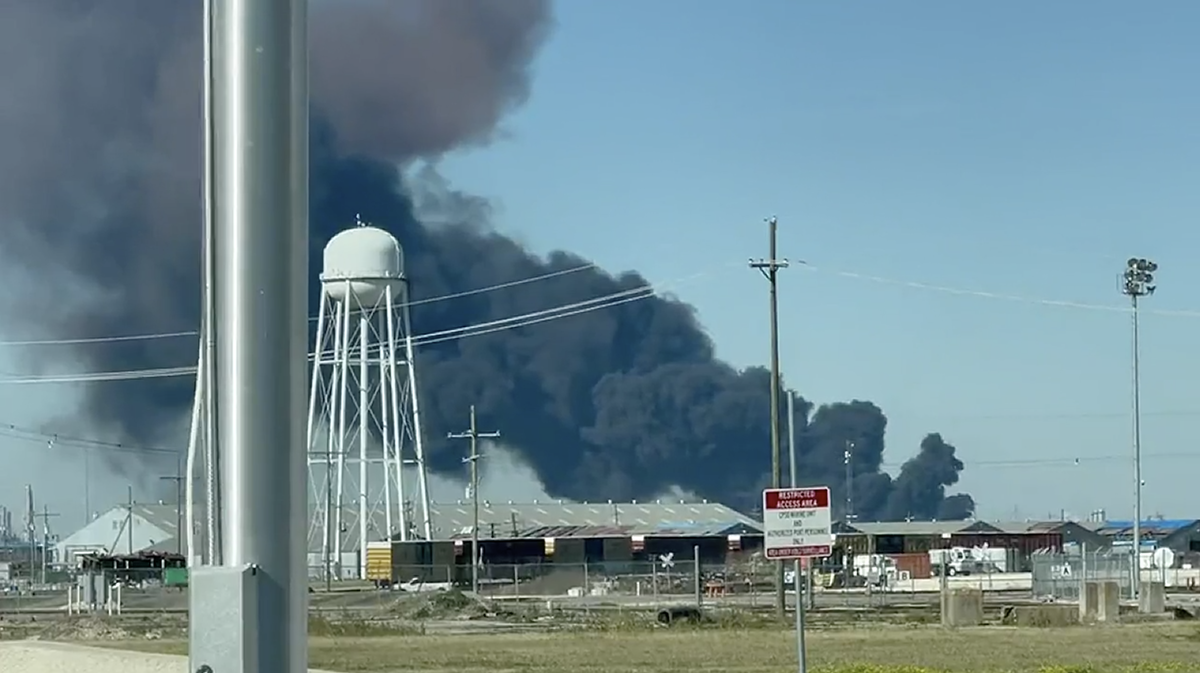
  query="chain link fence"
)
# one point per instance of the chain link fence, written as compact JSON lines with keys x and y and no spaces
{"x":1061,"y":575}
{"x":586,"y":579}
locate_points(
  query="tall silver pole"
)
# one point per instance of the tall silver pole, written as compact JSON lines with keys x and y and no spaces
{"x":260,"y":67}
{"x":1138,"y":282}
{"x":791,"y":429}
{"x":295,"y":232}
{"x":1137,"y":456}
{"x":796,"y":578}
{"x":206,"y":367}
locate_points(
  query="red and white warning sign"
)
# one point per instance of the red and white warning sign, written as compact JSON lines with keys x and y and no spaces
{"x":797,"y":523}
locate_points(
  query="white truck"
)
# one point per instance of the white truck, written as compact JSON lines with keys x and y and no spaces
{"x":968,"y":560}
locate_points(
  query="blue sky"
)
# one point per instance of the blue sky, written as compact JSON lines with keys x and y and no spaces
{"x":1017,"y":148}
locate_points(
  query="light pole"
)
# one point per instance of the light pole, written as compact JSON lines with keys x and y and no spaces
{"x":849,"y":460}
{"x":1138,"y":282}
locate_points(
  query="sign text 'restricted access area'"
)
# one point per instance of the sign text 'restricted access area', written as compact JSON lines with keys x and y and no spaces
{"x":797,"y":523}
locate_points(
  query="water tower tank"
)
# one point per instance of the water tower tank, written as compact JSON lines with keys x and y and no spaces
{"x":360,"y":263}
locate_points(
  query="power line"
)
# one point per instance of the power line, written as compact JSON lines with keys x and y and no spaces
{"x":845,"y":273}
{"x":968,"y":292}
{"x":15,"y":431}
{"x":18,"y":432}
{"x":1065,"y":461}
{"x":1052,"y":415}
{"x":638,"y":293}
{"x":192,"y":333}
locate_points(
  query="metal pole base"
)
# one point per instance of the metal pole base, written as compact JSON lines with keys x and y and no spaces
{"x":223,"y":619}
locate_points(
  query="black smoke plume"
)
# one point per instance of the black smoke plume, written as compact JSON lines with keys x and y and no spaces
{"x":99,"y":190}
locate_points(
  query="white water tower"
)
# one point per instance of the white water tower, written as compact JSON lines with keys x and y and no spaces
{"x":364,"y":423}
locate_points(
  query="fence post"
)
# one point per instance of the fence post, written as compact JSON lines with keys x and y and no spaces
{"x":517,"y":580}
{"x":654,"y":579}
{"x":1083,"y":570}
{"x":696,"y":569}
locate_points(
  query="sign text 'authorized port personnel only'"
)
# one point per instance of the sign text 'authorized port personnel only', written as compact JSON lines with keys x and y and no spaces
{"x":797,"y":523}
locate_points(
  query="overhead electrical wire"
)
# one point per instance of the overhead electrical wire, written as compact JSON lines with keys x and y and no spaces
{"x":15,"y":431}
{"x":967,"y":292}
{"x":566,"y":310}
{"x":512,"y":322}
{"x":844,"y":273}
{"x":192,"y":333}
{"x":19,"y":432}
{"x":1062,"y":462}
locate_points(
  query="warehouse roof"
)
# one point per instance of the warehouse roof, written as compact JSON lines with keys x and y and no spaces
{"x":633,"y":518}
{"x":906,"y":527}
{"x":450,"y":520}
{"x":947,"y":527}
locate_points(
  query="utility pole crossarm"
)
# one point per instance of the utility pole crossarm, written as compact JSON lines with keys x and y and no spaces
{"x":179,"y":482}
{"x":45,"y":515}
{"x":770,"y":270}
{"x":474,"y":435}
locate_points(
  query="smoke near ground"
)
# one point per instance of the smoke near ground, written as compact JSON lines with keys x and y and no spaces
{"x":99,"y":189}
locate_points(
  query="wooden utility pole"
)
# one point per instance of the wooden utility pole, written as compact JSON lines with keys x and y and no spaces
{"x":474,"y":435}
{"x":329,"y":533}
{"x":178,"y":479}
{"x":45,"y":516}
{"x":129,"y":521}
{"x":770,"y":269}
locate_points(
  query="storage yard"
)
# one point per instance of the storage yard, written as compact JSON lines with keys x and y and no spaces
{"x":631,"y":615}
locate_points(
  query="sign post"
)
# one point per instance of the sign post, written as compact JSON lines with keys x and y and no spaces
{"x":797,"y":525}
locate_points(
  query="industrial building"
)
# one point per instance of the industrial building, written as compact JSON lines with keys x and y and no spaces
{"x":1181,"y":536}
{"x":909,"y":543}
{"x":126,"y":529}
{"x":908,"y":537}
{"x":544,"y":535}
{"x":564,"y":533}
{"x":512,"y":533}
{"x":18,"y":553}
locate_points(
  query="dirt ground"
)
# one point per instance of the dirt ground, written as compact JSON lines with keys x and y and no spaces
{"x":1173,"y":647}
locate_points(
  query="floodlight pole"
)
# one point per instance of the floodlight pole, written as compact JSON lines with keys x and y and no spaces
{"x":770,"y":270}
{"x":849,"y":460}
{"x":248,"y":615}
{"x":1138,"y":282}
{"x":474,"y":435}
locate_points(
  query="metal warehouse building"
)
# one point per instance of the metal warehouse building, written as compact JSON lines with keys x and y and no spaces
{"x":573,"y":534}
{"x":124,"y":530}
{"x":909,"y":542}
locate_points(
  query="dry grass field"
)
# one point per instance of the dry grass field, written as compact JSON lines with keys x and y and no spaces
{"x":1133,"y":648}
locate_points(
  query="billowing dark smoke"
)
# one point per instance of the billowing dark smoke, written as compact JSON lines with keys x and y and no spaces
{"x":99,"y":188}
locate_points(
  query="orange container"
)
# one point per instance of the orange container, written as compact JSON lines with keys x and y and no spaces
{"x":917,"y":565}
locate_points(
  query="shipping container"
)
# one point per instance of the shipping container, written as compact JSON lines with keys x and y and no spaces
{"x":916,"y":565}
{"x":379,"y":561}
{"x":175,"y":577}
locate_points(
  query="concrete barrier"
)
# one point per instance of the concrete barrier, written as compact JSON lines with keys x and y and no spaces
{"x":1089,"y":598}
{"x":1040,"y":616}
{"x":1152,"y":598}
{"x":962,"y":607}
{"x":1108,"y":601}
